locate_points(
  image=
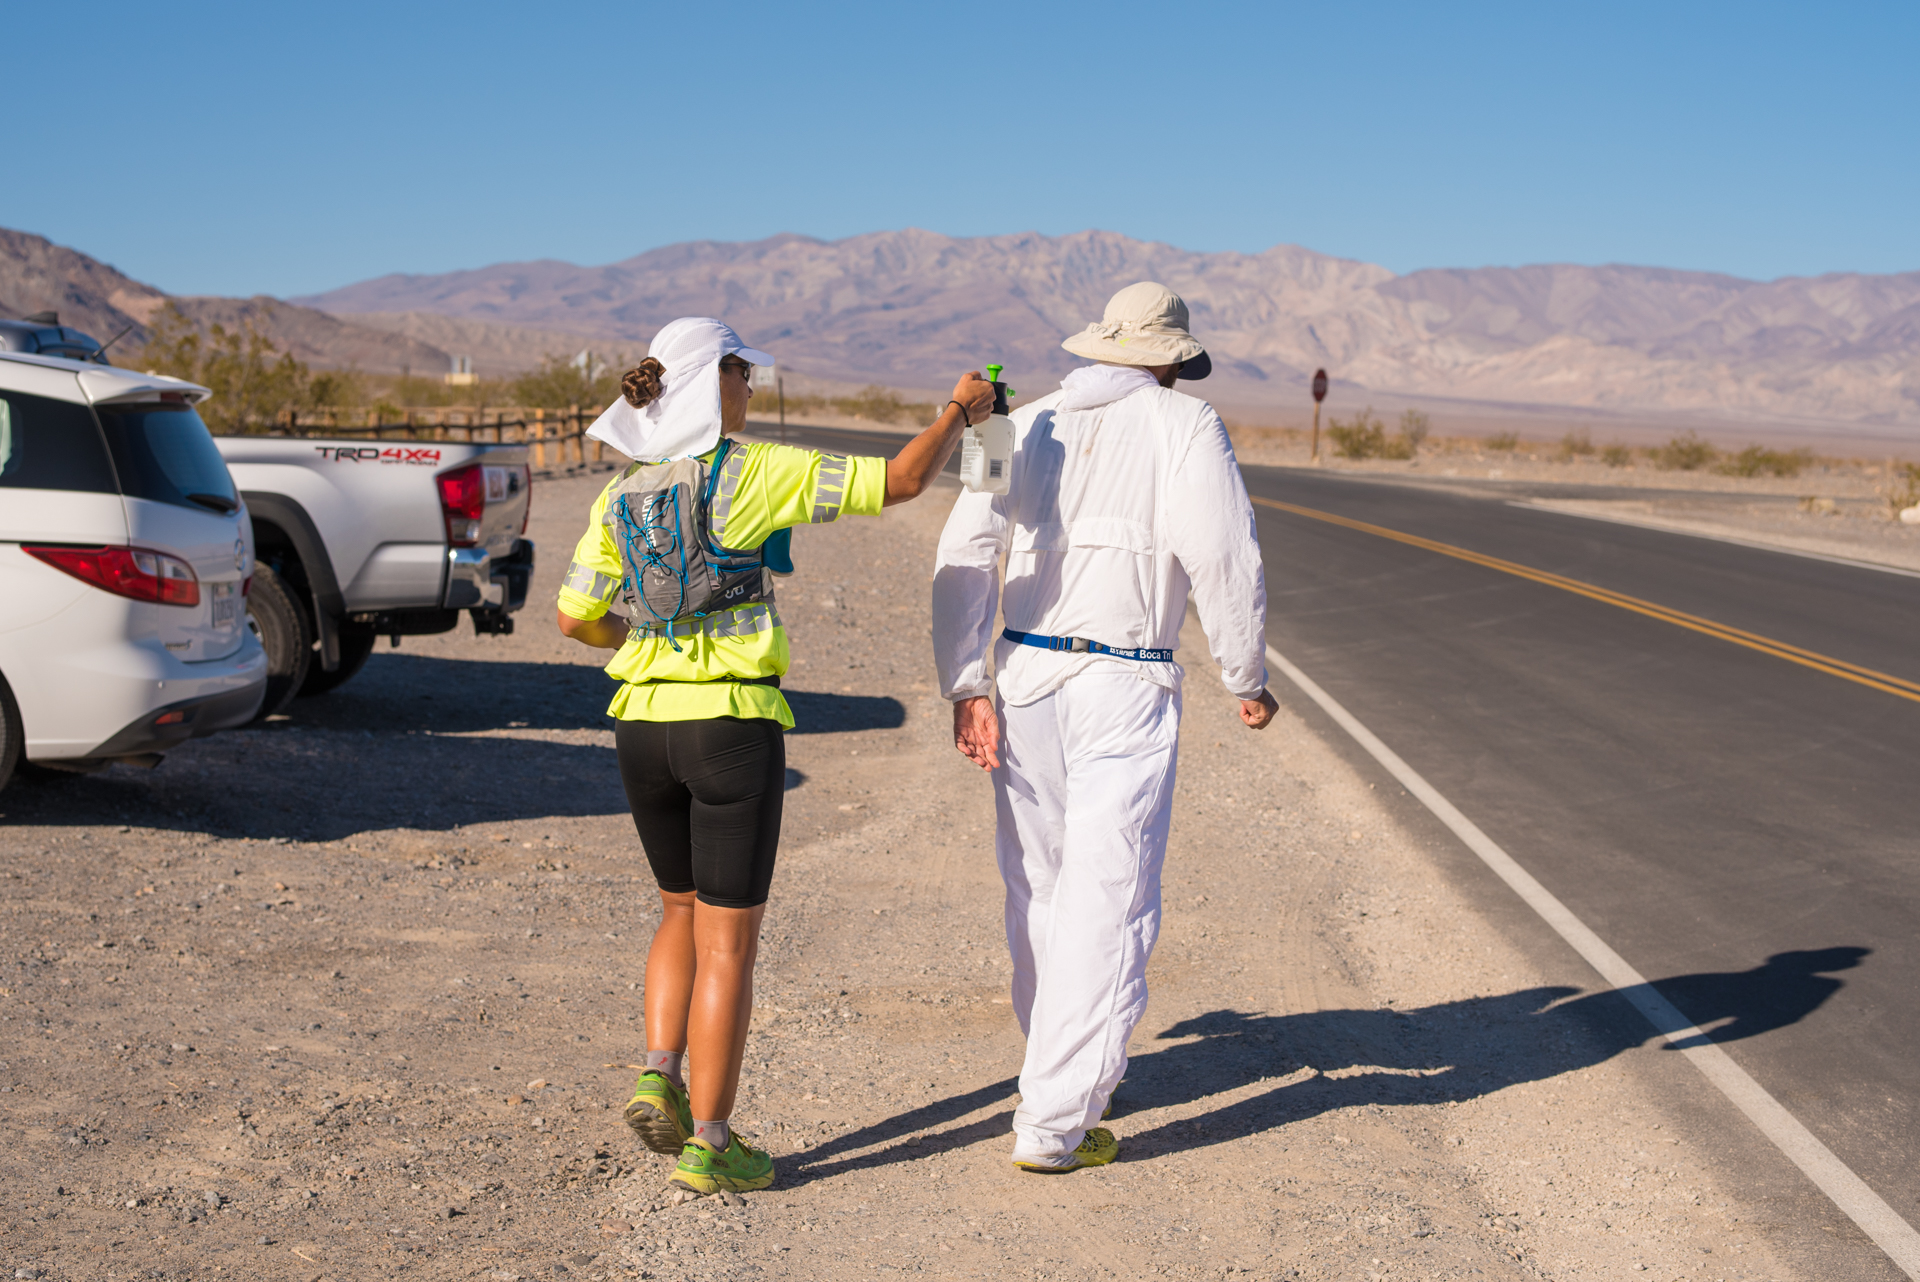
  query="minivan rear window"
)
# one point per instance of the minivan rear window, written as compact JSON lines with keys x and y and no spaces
{"x":165,"y":453}
{"x":51,"y":445}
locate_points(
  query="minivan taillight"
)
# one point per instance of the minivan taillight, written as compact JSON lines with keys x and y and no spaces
{"x":463,"y":501}
{"x":138,"y":573}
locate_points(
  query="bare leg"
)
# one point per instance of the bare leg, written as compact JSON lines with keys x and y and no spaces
{"x":670,"y":973}
{"x":725,"y":941}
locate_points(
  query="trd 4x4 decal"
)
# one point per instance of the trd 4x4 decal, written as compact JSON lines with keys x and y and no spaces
{"x":375,"y":454}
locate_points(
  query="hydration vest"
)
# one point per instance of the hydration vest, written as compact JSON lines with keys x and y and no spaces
{"x":661,"y":518}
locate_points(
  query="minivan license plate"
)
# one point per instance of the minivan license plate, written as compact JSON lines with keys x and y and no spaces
{"x":226,"y":605}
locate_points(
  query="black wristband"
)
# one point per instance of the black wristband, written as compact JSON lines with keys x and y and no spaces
{"x":963,"y":412}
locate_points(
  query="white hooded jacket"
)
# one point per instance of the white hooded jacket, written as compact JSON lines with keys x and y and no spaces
{"x":1118,"y":510}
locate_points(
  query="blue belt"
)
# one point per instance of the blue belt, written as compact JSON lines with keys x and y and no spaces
{"x":1080,"y":645}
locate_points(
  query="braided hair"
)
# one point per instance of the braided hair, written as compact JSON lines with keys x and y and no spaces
{"x":641,"y":384}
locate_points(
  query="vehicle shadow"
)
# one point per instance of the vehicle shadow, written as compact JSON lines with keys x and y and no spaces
{"x":305,"y":784}
{"x":1322,"y":1061}
{"x":411,"y":742}
{"x":413,"y":692}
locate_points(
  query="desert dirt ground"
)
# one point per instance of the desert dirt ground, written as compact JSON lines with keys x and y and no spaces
{"x":355,"y":994}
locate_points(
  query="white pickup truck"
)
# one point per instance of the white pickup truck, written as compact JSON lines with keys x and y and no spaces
{"x":359,"y":539}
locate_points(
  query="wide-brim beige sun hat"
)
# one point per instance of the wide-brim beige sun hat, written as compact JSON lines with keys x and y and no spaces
{"x":1144,"y":324}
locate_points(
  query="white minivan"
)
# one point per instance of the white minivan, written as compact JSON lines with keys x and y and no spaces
{"x":124,"y":556}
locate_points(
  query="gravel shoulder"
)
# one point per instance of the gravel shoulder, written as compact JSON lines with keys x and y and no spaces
{"x":355,"y":994}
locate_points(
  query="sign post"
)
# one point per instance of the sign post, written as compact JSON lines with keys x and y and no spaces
{"x":1319,"y":394}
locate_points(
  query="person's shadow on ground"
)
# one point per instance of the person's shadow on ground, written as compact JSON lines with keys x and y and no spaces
{"x":1434,"y":1054}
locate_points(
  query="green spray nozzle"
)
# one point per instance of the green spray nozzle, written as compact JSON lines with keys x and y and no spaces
{"x":1000,"y":390}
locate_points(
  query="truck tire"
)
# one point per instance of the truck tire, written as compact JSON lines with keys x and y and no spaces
{"x":356,"y":643}
{"x":285,"y":634}
{"x":13,"y":733}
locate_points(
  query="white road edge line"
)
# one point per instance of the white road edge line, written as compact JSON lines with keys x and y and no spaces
{"x":1835,"y":1178}
{"x":1538,"y":505}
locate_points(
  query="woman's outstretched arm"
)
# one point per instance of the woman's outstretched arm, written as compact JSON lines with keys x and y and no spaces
{"x":911,"y":470}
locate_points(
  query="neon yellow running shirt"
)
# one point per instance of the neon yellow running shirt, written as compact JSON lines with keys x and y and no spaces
{"x":762,"y":488}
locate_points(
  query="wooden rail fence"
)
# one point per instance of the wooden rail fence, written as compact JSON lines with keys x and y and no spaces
{"x":538,"y":429}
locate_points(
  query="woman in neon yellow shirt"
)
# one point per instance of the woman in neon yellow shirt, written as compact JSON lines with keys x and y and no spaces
{"x":699,"y":718}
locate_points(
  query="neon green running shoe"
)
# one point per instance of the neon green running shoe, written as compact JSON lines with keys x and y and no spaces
{"x":741,"y":1169}
{"x":1097,"y":1149}
{"x":660,"y":1114}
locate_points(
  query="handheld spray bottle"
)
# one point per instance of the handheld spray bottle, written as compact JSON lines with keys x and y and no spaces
{"x":986,"y":448}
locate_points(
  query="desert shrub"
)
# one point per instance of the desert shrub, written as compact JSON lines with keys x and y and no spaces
{"x":883,"y":405}
{"x":797,"y":403}
{"x":1363,"y":437}
{"x":495,"y":391}
{"x":1684,"y":453}
{"x":253,"y":382}
{"x":561,"y":382}
{"x":338,"y":389}
{"x":1756,"y":461}
{"x":1576,"y":444}
{"x":414,"y":389}
{"x":1414,"y":426}
{"x":1904,"y":492}
{"x":1503,"y":441}
{"x":873,"y":402}
{"x":1616,"y":455}
{"x":351,"y":391}
{"x":1405,"y":443}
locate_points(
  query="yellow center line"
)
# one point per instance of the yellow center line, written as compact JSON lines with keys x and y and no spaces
{"x":1842,"y":668}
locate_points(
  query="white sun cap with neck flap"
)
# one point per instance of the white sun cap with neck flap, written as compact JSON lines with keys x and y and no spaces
{"x":684,"y":420}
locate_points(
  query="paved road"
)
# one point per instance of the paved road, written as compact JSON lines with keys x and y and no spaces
{"x":1704,"y":806}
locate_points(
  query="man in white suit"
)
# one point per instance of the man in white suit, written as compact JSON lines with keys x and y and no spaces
{"x":1125,"y":500}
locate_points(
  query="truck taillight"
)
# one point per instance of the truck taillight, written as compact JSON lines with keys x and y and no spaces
{"x":463,"y":500}
{"x":138,"y":573}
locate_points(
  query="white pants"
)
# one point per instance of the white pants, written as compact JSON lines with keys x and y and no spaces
{"x":1084,"y":793}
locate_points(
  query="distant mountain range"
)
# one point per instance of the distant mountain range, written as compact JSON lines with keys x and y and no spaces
{"x":912,"y":307}
{"x":37,"y":275}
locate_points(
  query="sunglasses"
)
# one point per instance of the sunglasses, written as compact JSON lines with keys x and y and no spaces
{"x":740,"y":367}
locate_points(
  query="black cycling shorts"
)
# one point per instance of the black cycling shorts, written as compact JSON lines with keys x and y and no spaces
{"x":706,"y":798}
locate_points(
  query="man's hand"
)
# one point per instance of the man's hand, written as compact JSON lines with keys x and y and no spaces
{"x":1258,"y":712}
{"x":976,"y":731}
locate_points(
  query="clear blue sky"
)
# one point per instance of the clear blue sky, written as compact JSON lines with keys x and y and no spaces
{"x":276,"y":148}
